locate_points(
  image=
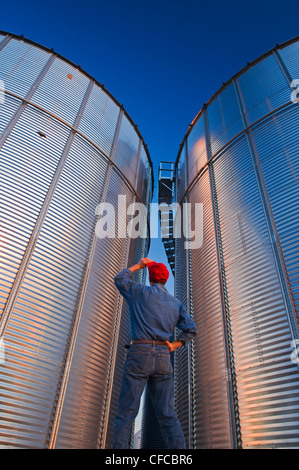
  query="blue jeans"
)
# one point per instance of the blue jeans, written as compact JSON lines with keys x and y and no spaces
{"x":149,"y":364}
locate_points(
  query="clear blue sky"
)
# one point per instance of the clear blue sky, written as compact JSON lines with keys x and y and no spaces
{"x":160,"y":59}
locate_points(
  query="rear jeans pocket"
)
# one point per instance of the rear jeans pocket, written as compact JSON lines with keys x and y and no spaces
{"x":137,"y":362}
{"x":165,"y":366}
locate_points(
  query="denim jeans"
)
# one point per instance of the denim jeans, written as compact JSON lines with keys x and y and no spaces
{"x":149,"y":364}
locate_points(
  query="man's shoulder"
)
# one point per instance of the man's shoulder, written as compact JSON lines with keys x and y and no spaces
{"x":163,"y":292}
{"x":124,"y":273}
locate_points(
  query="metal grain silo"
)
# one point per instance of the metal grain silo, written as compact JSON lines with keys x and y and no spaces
{"x":237,"y":385}
{"x":66,"y":145}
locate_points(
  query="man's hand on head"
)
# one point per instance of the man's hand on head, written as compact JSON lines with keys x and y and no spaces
{"x":142,"y":263}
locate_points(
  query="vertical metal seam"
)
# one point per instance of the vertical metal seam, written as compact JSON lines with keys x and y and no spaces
{"x":190,"y":348}
{"x":148,"y":197}
{"x":142,"y":272}
{"x":192,"y":409}
{"x":113,"y":353}
{"x":137,"y":169}
{"x":5,"y":41}
{"x":142,"y":240}
{"x":103,"y":422}
{"x":270,"y":222}
{"x":138,"y":163}
{"x":229,"y":350}
{"x":65,"y":368}
{"x":176,"y":291}
{"x":283,"y":67}
{"x":119,"y":308}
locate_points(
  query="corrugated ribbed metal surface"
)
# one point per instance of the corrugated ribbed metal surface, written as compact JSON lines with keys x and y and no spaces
{"x":90,"y":369}
{"x":24,"y":184}
{"x":224,"y":119}
{"x":20,"y":66}
{"x":210,"y":364}
{"x":63,"y":150}
{"x":65,"y":101}
{"x":99,"y":120}
{"x":245,"y":279}
{"x":7,"y":111}
{"x":181,"y":369}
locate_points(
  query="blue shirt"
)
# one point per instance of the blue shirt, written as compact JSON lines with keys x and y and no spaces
{"x":154,"y":313}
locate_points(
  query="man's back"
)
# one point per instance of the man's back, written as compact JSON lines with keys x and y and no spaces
{"x":154,"y":312}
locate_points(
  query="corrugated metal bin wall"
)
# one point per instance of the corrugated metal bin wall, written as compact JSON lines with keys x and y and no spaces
{"x":66,"y":145}
{"x":240,"y":160}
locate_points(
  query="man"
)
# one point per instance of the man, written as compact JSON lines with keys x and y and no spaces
{"x":154,"y":314}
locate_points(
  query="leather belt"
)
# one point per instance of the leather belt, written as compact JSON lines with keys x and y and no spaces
{"x":146,"y":341}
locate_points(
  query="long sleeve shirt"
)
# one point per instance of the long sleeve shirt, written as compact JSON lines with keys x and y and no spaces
{"x":154,"y":312}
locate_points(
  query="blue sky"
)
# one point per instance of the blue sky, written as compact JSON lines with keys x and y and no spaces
{"x":161,"y":59}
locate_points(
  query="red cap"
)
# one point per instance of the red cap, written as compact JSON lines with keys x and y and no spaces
{"x":158,"y":272}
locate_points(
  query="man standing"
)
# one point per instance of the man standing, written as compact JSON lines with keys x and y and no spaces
{"x":154,"y":314}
